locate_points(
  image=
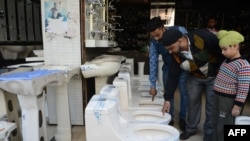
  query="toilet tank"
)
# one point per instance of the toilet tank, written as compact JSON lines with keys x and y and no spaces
{"x":101,"y":105}
{"x":110,"y":91}
{"x":102,"y":118}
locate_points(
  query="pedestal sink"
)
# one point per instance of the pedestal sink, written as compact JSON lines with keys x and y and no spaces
{"x":63,"y":132}
{"x":102,"y":67}
{"x":29,"y":86}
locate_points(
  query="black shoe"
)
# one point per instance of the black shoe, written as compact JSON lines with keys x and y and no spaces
{"x":182,"y":124}
{"x":185,"y":135}
{"x":171,"y":123}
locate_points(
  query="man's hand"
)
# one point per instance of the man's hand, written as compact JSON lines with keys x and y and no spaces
{"x":166,"y":107}
{"x":153,"y":92}
{"x":236,"y":111}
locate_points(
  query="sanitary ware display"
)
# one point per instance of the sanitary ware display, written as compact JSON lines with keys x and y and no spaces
{"x":132,"y":96}
{"x":13,"y":114}
{"x":131,"y":62}
{"x":63,"y":132}
{"x":28,"y":86}
{"x":5,"y":129}
{"x":102,"y":67}
{"x":99,"y":32}
{"x":141,"y":68}
{"x":242,"y":120}
{"x":11,"y":52}
{"x":102,"y":116}
{"x":133,"y":115}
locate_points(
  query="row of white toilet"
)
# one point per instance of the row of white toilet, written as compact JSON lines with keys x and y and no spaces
{"x":119,"y":113}
{"x":124,"y":111}
{"x":104,"y":114}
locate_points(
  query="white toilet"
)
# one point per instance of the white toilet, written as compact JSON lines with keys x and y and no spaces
{"x":135,"y":102}
{"x":139,"y":86}
{"x":134,"y":115}
{"x":242,"y":120}
{"x":101,"y":116}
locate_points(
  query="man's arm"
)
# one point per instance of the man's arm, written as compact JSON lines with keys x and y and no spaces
{"x":153,"y":64}
{"x":173,"y":78}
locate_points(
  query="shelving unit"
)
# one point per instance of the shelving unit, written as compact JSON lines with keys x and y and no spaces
{"x":133,"y":21}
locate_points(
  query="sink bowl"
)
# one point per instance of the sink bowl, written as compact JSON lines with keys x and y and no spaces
{"x":30,"y":82}
{"x":99,"y":69}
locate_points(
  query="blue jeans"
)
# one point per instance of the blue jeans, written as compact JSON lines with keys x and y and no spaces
{"x":196,"y":88}
{"x":183,"y":94}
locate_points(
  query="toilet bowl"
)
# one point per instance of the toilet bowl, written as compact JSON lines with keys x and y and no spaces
{"x":102,"y":115}
{"x":242,"y":120}
{"x":133,"y":115}
{"x":150,"y":132}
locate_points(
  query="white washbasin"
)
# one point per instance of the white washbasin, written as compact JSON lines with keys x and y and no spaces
{"x":99,"y":68}
{"x":69,"y":71}
{"x":30,"y":82}
{"x":111,"y":58}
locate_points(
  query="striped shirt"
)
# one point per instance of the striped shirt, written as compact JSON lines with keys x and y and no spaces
{"x":233,"y":80}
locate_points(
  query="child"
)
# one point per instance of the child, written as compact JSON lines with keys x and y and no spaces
{"x":232,"y":82}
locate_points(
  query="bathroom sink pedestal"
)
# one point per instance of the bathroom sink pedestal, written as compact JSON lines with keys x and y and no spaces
{"x":29,"y":87}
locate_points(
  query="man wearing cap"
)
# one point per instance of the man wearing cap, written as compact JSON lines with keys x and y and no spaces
{"x":231,"y":85}
{"x":156,"y":29}
{"x":198,"y":53}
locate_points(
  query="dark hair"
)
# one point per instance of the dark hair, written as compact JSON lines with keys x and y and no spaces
{"x":210,"y":17}
{"x":154,"y":23}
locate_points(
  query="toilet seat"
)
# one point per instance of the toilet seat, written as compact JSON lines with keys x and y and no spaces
{"x":151,"y":116}
{"x":146,"y":116}
{"x":242,"y":120}
{"x":143,"y":115}
{"x":153,"y":132}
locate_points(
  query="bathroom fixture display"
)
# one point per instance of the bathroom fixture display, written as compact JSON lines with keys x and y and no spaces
{"x":99,"y":68}
{"x":141,"y":68}
{"x":28,"y":86}
{"x":12,"y":113}
{"x":132,"y":97}
{"x":131,"y":62}
{"x":11,"y":52}
{"x":242,"y":120}
{"x":63,"y":129}
{"x":101,"y":115}
{"x":98,"y":29}
{"x":138,"y":102}
{"x":5,"y":130}
{"x":133,"y":115}
{"x":102,"y":67}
